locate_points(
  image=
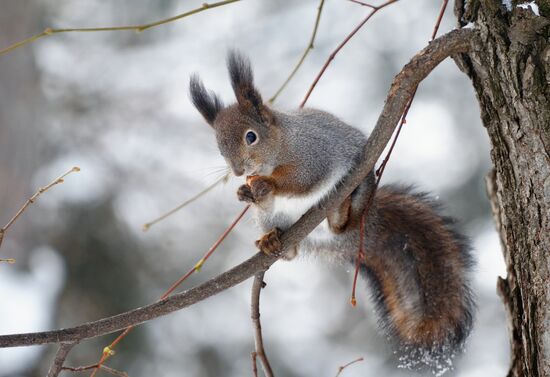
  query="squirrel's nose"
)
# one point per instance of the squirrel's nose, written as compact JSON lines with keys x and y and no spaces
{"x":237,"y":170}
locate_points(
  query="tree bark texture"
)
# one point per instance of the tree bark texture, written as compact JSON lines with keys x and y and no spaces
{"x":509,"y":66}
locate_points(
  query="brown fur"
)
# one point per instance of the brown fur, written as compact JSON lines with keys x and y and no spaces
{"x":338,"y":219}
{"x":283,"y":176}
{"x":391,"y":293}
{"x":406,"y":224}
{"x":416,"y":263}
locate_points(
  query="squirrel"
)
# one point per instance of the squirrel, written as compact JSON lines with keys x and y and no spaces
{"x":417,"y":264}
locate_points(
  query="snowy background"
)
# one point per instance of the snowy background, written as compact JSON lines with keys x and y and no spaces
{"x":116,"y":105}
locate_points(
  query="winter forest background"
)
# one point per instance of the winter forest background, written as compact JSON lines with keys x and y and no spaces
{"x":116,"y":105}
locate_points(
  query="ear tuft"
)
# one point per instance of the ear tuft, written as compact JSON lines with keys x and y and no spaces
{"x":207,"y":102}
{"x":242,"y":81}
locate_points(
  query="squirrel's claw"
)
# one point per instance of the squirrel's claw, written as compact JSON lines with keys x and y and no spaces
{"x":244,"y":193}
{"x":270,"y":243}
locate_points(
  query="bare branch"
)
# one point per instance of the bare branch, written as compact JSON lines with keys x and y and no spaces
{"x":363,"y":4}
{"x":305,"y":53}
{"x":439,"y":18}
{"x":341,"y":369}
{"x":137,"y":28}
{"x":148,"y":225}
{"x":341,"y":45}
{"x":401,"y":90}
{"x":60,"y":356}
{"x":254,"y":365}
{"x":109,"y":350}
{"x":380,"y":170}
{"x":114,"y":372}
{"x":255,"y":315}
{"x":80,"y":369}
{"x":33,"y":199}
{"x":105,"y":368}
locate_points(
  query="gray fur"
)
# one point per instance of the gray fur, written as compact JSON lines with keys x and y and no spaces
{"x":320,"y":144}
{"x":416,"y":263}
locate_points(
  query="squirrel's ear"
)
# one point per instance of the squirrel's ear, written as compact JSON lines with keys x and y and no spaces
{"x":242,"y":81}
{"x":207,"y":102}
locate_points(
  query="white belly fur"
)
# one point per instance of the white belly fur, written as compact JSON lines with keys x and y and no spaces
{"x":294,"y":207}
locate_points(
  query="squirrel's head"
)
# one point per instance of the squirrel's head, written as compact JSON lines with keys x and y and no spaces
{"x":247,"y":134}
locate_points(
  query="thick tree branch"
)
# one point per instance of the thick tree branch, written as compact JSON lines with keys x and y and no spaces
{"x":400,"y":92}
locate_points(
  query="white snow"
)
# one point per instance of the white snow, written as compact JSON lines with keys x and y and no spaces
{"x":507,"y":4}
{"x":531,"y":5}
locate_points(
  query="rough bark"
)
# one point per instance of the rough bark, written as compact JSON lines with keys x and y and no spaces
{"x":510,"y":70}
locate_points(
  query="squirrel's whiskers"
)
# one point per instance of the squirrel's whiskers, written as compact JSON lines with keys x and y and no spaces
{"x":216,"y":172}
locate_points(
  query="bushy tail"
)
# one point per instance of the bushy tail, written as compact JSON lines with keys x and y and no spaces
{"x":418,"y":266}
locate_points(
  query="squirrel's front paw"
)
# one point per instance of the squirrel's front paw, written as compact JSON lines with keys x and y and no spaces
{"x":270,"y":242}
{"x":244,"y":193}
{"x":260,"y":187}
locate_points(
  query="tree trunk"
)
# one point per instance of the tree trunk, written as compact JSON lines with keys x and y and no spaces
{"x":510,"y":71}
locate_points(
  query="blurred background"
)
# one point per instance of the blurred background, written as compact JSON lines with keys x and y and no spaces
{"x":116,"y":105}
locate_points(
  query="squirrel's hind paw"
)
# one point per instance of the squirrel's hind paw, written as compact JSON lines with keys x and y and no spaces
{"x":270,"y":243}
{"x":290,"y":254}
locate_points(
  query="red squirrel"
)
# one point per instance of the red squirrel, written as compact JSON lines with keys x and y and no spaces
{"x":415,"y":261}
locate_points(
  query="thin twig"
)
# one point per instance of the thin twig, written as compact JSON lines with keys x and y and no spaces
{"x":105,"y":368}
{"x":137,"y":28}
{"x":341,"y":45}
{"x":255,"y":315}
{"x":60,"y":356}
{"x":254,"y":364}
{"x":33,"y":199}
{"x":148,"y":225}
{"x":341,"y":369}
{"x":210,"y":251}
{"x":399,"y":94}
{"x":363,"y":4}
{"x":309,"y":47}
{"x":114,"y":372}
{"x":109,"y":350}
{"x":380,"y":171}
{"x":439,"y":18}
{"x":80,"y":369}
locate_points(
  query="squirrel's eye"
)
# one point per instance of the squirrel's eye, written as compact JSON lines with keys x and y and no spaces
{"x":250,"y":137}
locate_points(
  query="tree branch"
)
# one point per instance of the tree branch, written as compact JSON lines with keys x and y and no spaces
{"x":60,"y":356}
{"x":341,"y":369}
{"x":105,"y":368}
{"x":33,"y":199}
{"x":309,"y":47}
{"x":400,"y":92}
{"x":137,"y":28}
{"x":255,"y":315}
{"x":342,"y":44}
